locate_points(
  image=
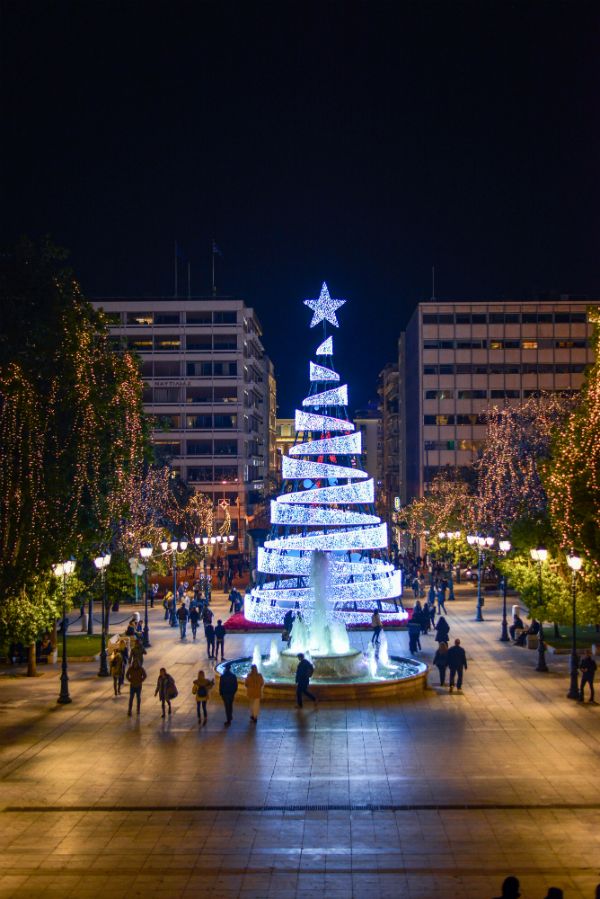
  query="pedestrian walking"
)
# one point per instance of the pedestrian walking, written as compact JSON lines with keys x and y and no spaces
{"x":457,"y":661}
{"x":377,"y":627}
{"x":232,"y":600}
{"x":137,"y":650}
{"x":440,"y":660}
{"x":209,"y":633}
{"x":304,"y":672}
{"x":182,"y":617}
{"x":201,"y":689}
{"x":165,"y":689}
{"x":194,"y":620}
{"x":414,"y":634}
{"x":288,"y":623}
{"x":116,"y":670}
{"x":136,"y":676}
{"x":220,"y":639}
{"x":441,"y":598}
{"x":511,"y":888}
{"x":442,"y":630}
{"x":227,"y":689}
{"x":254,"y":689}
{"x":588,"y":667}
{"x":207,"y":616}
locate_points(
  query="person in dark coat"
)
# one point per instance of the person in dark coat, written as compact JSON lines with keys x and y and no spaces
{"x":511,"y":888}
{"x":209,"y":633}
{"x":457,"y":661}
{"x":516,"y":625}
{"x":220,"y":639}
{"x":414,"y":633}
{"x":442,"y":630}
{"x":440,"y":660}
{"x":227,"y":689}
{"x":194,"y":619}
{"x":182,"y":618}
{"x":304,"y":672}
{"x":588,"y":666}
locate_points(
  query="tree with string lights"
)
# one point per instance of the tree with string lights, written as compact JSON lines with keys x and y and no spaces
{"x":72,"y":430}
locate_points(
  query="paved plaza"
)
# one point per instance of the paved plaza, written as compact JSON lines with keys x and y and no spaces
{"x":442,"y":795}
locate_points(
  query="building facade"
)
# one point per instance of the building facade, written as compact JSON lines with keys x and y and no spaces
{"x":368,"y":422}
{"x":460,"y":358}
{"x":285,"y":436}
{"x":389,"y":446}
{"x":208,"y":387}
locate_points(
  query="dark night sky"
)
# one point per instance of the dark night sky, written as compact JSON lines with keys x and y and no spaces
{"x":356,"y":142}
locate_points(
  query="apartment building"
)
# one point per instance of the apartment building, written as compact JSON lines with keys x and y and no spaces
{"x":368,"y":422}
{"x":209,"y":388}
{"x":460,"y":358}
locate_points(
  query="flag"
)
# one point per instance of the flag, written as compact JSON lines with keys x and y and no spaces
{"x":215,"y":249}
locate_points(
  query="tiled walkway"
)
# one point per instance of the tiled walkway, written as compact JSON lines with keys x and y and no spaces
{"x":439,"y":796}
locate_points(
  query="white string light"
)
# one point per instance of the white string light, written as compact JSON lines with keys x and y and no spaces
{"x":325,"y":348}
{"x":337,"y":396}
{"x":342,"y":493}
{"x":346,"y":445}
{"x":311,"y":421}
{"x":324,"y":308}
{"x":320,"y":373}
{"x":293,"y":469}
{"x":373,"y":537}
{"x":303,"y":515}
{"x":276,"y":562}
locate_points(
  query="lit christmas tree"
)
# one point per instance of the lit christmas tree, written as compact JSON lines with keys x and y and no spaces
{"x":327,"y":504}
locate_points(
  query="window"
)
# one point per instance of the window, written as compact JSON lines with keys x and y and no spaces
{"x":166,"y":394}
{"x":167,"y":447}
{"x":147,"y":369}
{"x":471,"y":318}
{"x":570,"y":344}
{"x":529,"y":344}
{"x":165,"y":422}
{"x":471,"y":419}
{"x":533,"y":318}
{"x":434,"y":318}
{"x":225,"y":422}
{"x":578,"y":317}
{"x":226,"y":394}
{"x":140,"y":344}
{"x":199,"y":447}
{"x":166,"y":369}
{"x":224,"y":318}
{"x":472,"y":394}
{"x":201,"y":342}
{"x":505,"y":394}
{"x":225,"y":369}
{"x":226,"y":447}
{"x":199,"y":369}
{"x":471,"y":344}
{"x":439,"y":394}
{"x":139,"y":318}
{"x":439,"y":420}
{"x":225,"y":341}
{"x":203,"y":317}
{"x":469,"y":445}
{"x":167,"y":343}
{"x":502,"y":318}
{"x":198,"y":395}
{"x":438,"y":345}
{"x":166,"y":318}
{"x":202,"y":473}
{"x":496,"y":345}
{"x":226,"y":473}
{"x":202,"y":422}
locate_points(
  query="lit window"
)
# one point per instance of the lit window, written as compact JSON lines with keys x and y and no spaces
{"x":529,"y":345}
{"x":496,"y":345}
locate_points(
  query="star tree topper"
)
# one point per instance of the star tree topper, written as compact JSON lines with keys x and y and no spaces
{"x":324,"y":308}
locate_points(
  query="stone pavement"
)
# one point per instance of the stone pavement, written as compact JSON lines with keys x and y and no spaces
{"x":439,"y":796}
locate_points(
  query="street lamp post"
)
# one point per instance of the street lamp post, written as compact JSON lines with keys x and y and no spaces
{"x":481,"y":543}
{"x":539,"y":555}
{"x":574,"y":562}
{"x":145,"y":553}
{"x":64,"y":569}
{"x":504,"y":546}
{"x":173,"y":548}
{"x":102,"y":563}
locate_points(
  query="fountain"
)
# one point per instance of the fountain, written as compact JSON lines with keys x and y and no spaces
{"x":340,"y":671}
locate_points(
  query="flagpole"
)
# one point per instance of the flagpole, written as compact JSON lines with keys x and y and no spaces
{"x":175,"y":294}
{"x":213,"y":268}
{"x":189,"y":279}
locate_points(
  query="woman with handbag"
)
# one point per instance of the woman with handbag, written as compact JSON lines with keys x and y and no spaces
{"x":165,"y":689}
{"x":201,"y":689}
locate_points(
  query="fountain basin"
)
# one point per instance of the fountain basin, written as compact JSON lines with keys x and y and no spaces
{"x":340,"y":666}
{"x":404,"y":679}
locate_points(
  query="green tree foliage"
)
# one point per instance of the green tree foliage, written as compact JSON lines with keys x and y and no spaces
{"x":33,"y":609}
{"x":71,"y":424}
{"x":556,"y":597}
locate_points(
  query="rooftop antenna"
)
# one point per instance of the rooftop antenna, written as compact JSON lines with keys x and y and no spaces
{"x":433,"y":283}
